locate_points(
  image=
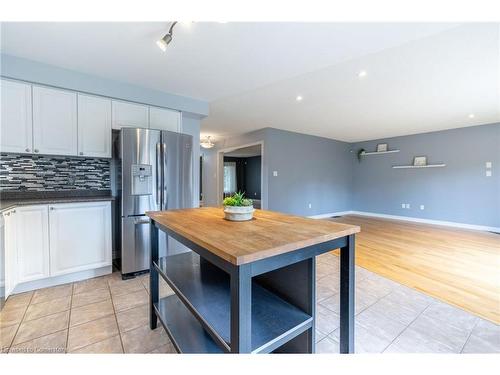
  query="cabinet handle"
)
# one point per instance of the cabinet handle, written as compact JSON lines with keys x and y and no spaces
{"x":27,"y":150}
{"x":81,"y":153}
{"x":13,"y":211}
{"x":52,"y":208}
{"x":7,"y":214}
{"x":36,"y":150}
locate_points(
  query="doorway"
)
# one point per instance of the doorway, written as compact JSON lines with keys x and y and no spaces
{"x":241,"y":170}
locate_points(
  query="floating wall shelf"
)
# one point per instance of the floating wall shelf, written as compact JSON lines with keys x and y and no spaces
{"x":418,"y":166}
{"x":364,"y":153}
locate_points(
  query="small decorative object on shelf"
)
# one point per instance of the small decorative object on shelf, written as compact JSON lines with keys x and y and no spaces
{"x":382,"y":147}
{"x":361,"y":152}
{"x":420,"y":161}
{"x":238,"y":208}
{"x":381,"y":150}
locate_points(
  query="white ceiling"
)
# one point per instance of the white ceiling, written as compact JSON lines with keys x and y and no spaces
{"x":420,"y":77}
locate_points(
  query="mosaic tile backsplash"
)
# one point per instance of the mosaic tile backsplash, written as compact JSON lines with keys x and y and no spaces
{"x":52,"y":173}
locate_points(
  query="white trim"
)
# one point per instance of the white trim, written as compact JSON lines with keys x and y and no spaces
{"x":62,"y":279}
{"x":429,"y":221}
{"x":409,"y":218}
{"x":330,"y":214}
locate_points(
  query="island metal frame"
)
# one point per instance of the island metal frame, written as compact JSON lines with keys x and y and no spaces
{"x":289,"y":277}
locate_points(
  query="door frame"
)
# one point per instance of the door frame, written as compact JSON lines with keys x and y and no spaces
{"x":220,"y":171}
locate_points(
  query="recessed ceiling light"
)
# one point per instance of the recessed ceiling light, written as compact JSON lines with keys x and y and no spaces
{"x":298,"y":98}
{"x":472,"y":115}
{"x":362,"y":74}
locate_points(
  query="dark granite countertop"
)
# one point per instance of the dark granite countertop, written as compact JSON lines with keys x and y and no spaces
{"x":14,"y":199}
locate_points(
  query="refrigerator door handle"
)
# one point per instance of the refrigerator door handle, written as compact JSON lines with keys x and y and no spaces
{"x":158,"y":177}
{"x":164,"y":182}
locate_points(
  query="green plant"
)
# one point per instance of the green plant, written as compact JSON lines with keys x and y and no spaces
{"x":361,"y":151}
{"x":237,"y":199}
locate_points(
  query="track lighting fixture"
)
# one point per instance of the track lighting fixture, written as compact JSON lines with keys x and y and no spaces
{"x":167,"y":38}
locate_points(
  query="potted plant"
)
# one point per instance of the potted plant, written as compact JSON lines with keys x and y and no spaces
{"x":238,"y":208}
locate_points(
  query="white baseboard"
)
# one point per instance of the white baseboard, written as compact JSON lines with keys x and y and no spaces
{"x":63,"y":279}
{"x":429,"y":221}
{"x":330,"y":214}
{"x":411,"y":219}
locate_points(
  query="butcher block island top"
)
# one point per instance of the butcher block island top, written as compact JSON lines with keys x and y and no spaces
{"x":268,"y":234}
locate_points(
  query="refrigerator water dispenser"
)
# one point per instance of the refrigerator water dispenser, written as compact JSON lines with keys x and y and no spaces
{"x":141,"y":179}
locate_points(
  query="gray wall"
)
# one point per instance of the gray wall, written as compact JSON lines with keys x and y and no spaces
{"x":459,"y":192}
{"x":310,"y":170}
{"x":326,"y":173}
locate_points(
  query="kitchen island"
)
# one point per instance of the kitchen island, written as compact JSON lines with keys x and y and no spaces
{"x":247,"y":287}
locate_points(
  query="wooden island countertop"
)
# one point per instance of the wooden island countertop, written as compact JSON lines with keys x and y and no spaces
{"x":268,"y":234}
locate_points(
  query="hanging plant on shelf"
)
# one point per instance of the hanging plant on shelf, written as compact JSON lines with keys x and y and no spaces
{"x":361,"y":151}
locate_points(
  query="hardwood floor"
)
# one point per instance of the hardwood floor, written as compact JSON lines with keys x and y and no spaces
{"x":458,"y":266}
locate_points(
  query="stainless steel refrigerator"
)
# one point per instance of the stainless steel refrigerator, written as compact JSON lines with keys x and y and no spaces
{"x":153,"y":171}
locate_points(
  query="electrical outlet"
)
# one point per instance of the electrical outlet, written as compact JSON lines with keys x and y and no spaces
{"x":275,"y":173}
{"x":407,"y":205}
{"x":310,"y":205}
{"x":488,"y":173}
{"x":488,"y":164}
{"x":403,"y":205}
{"x":422,"y":207}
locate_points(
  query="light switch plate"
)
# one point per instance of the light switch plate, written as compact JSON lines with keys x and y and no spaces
{"x":422,"y":207}
{"x":275,"y":173}
{"x":403,"y":205}
{"x":488,"y":164}
{"x":488,"y":173}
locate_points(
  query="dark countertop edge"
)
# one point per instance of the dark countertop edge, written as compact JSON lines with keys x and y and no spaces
{"x":6,"y":204}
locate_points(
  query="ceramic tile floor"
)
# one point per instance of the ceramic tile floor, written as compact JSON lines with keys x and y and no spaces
{"x":100,"y":315}
{"x":109,"y":315}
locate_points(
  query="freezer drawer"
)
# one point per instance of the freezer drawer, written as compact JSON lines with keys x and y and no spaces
{"x":135,"y":244}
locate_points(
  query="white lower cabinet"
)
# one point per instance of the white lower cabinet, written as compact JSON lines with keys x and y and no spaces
{"x":32,"y":234}
{"x":9,"y":218}
{"x":80,"y":237}
{"x":45,"y":241}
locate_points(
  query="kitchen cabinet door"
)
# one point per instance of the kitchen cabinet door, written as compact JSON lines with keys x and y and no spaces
{"x":55,"y":129}
{"x":16,"y":133}
{"x":32,"y":236}
{"x":131,"y":115}
{"x":10,"y":251}
{"x":164,"y":119}
{"x":94,"y":126}
{"x":80,"y":236}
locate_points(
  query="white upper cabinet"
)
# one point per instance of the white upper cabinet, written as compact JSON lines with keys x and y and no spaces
{"x":94,"y":126}
{"x":164,"y":119}
{"x":32,"y":227}
{"x":54,"y":121}
{"x":132,"y":115}
{"x":80,"y":237}
{"x":16,"y":122}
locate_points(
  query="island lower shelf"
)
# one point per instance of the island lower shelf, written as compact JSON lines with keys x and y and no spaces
{"x":204,"y":289}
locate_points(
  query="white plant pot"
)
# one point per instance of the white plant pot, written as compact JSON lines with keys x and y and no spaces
{"x":238,"y":213}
